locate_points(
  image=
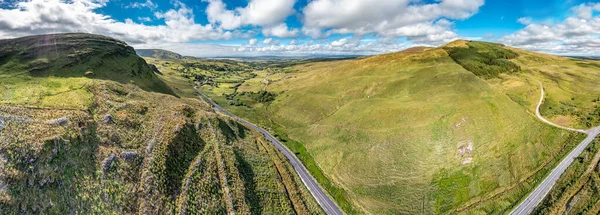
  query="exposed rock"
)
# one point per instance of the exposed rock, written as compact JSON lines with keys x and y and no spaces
{"x":108,"y":119}
{"x":128,"y":155}
{"x":1,"y":123}
{"x":150,"y":146}
{"x":465,"y":151}
{"x":155,"y":69}
{"x":63,"y":121}
{"x":106,"y":164}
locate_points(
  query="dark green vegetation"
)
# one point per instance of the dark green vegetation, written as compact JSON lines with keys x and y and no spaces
{"x":484,"y":59}
{"x":158,"y":53}
{"x":578,"y":189}
{"x":130,"y":151}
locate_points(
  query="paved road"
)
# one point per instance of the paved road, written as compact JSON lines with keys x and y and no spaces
{"x":323,"y":199}
{"x":535,"y":197}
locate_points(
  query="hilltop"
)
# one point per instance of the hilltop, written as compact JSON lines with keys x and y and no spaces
{"x":450,"y":129}
{"x":158,"y":53}
{"x":77,"y":55}
{"x":111,"y":142}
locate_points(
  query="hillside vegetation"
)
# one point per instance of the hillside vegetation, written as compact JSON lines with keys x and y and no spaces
{"x":426,"y":131}
{"x":484,"y":59}
{"x":124,"y":150}
{"x":158,"y":53}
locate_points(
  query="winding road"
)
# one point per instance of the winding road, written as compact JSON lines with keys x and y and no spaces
{"x":323,"y":199}
{"x":535,"y":197}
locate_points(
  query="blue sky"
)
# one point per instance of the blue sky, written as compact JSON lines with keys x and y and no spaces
{"x":208,"y":28}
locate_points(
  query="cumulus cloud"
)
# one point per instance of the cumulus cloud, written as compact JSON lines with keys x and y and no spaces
{"x":391,"y":18}
{"x":257,"y":12}
{"x":577,"y":34}
{"x":252,"y":41}
{"x":56,"y":16}
{"x":281,"y":31}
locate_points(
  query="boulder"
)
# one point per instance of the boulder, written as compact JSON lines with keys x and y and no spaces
{"x":108,"y":119}
{"x":63,"y":121}
{"x":106,"y":164}
{"x":128,"y":155}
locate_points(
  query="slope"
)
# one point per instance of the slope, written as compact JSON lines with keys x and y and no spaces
{"x":61,"y":64}
{"x":129,"y":151}
{"x":158,"y":53}
{"x":413,"y":132}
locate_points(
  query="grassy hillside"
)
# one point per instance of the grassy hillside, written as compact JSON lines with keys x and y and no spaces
{"x":113,"y":148}
{"x":444,"y":130}
{"x":158,"y":53}
{"x":61,"y":65}
{"x":578,"y":190}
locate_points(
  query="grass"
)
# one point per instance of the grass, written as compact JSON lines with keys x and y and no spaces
{"x":62,"y":65}
{"x":382,"y":134}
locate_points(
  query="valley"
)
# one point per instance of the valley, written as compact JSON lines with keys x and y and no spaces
{"x":455,"y":129}
{"x":411,"y":132}
{"x":121,"y":141}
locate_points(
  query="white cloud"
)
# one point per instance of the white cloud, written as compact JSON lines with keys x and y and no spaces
{"x":344,"y":46}
{"x":257,"y":13}
{"x":391,"y":18}
{"x":145,"y":19}
{"x":270,"y":41}
{"x":148,"y":4}
{"x":293,"y":42}
{"x":577,"y":34}
{"x":280,"y":31}
{"x":340,"y":42}
{"x":56,"y":16}
{"x":525,"y":20}
{"x":252,"y":41}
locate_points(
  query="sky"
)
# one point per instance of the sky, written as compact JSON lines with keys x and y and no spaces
{"x":218,"y":28}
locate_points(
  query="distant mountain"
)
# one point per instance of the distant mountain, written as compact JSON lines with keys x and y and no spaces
{"x":158,"y":53}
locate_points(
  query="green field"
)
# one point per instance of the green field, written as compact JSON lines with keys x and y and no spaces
{"x":420,"y":132}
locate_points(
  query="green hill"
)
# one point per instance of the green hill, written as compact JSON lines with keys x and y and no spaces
{"x":73,"y":144}
{"x":158,"y":53}
{"x":427,"y":131}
